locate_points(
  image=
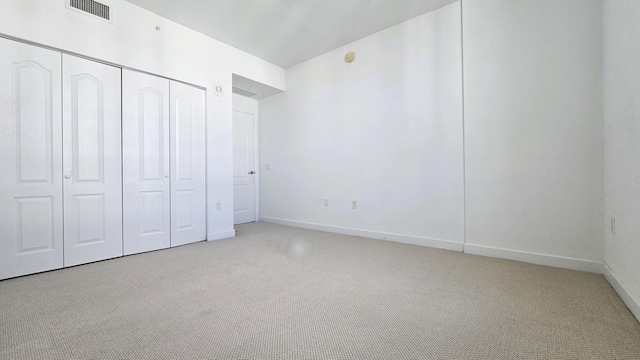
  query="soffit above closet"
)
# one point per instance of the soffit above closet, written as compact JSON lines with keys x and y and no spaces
{"x":287,"y":32}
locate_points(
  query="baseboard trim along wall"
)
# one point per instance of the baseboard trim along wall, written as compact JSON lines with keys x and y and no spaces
{"x":623,"y":291}
{"x":405,"y":239}
{"x":221,"y":235}
{"x":535,"y":258}
{"x":596,"y":267}
{"x":522,"y":256}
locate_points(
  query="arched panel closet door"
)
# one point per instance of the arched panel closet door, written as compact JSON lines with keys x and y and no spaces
{"x":91,"y":161}
{"x":146,"y":170}
{"x":31,"y":160}
{"x":188,"y":207}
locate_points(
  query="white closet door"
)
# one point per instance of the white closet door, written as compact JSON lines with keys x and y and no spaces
{"x":188,"y":212}
{"x":30,"y":160}
{"x":91,"y":161}
{"x":244,"y":180}
{"x":145,"y":167}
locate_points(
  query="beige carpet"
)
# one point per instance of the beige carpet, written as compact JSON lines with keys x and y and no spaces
{"x":280,"y":293}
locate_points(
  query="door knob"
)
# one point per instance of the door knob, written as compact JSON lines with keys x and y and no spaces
{"x":251,"y":172}
{"x":67,"y":176}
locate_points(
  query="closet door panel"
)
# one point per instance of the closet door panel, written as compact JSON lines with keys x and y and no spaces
{"x":145,"y":135}
{"x":188,"y":209}
{"x":31,"y":238}
{"x":91,"y":161}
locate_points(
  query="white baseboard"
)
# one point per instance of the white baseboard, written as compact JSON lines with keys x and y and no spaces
{"x":405,"y":239}
{"x":596,"y":267}
{"x":623,"y":291}
{"x":221,"y":235}
{"x":535,"y":258}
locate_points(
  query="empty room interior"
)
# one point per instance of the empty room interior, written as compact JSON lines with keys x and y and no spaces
{"x":320,"y":179}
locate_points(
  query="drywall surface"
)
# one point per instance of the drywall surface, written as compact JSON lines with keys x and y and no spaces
{"x":173,"y":51}
{"x":384,"y":130}
{"x":622,"y":146}
{"x":132,"y":40}
{"x":533,"y":130}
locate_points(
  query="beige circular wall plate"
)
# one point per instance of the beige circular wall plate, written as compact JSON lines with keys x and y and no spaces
{"x":218,"y":89}
{"x":350,"y":56}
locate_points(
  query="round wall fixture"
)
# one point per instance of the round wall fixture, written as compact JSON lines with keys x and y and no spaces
{"x":350,"y":56}
{"x":218,"y":90}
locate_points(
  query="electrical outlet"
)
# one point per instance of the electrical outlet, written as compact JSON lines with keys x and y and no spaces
{"x":354,"y":204}
{"x":268,"y":166}
{"x":218,"y":207}
{"x":326,"y":202}
{"x":613,"y":226}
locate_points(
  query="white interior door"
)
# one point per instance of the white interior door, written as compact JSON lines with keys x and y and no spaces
{"x":31,"y":160}
{"x":244,"y":185}
{"x":187,"y":123}
{"x":145,"y":162}
{"x":91,"y":161}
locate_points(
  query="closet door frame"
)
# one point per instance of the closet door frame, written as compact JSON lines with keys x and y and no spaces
{"x":185,"y":226}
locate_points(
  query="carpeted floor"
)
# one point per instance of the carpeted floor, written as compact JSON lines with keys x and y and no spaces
{"x":281,"y":293}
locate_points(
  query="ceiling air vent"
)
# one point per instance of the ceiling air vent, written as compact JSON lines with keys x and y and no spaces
{"x":244,"y":92}
{"x":91,"y":7}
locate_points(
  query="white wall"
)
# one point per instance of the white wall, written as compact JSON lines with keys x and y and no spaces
{"x":622,"y":147}
{"x":533,"y":130}
{"x":174,"y":51}
{"x":385,"y":130}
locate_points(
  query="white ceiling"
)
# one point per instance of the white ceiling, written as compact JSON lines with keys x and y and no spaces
{"x":287,"y":32}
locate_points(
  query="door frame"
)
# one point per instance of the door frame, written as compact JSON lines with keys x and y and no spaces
{"x":251,"y":106}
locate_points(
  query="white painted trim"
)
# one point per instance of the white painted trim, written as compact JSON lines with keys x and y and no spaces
{"x":405,"y":239}
{"x":535,"y":258}
{"x":623,"y":291}
{"x":221,"y":235}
